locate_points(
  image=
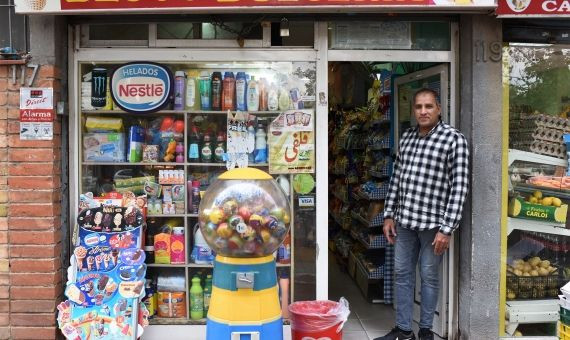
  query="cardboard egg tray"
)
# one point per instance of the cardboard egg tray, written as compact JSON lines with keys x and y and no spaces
{"x":540,"y":120}
{"x":541,"y":147}
{"x":537,"y":134}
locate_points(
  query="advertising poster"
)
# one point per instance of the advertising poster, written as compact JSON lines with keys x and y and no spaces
{"x":291,"y":142}
{"x":36,"y":113}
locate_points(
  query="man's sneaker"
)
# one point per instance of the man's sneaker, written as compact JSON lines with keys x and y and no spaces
{"x":397,"y":334}
{"x":425,"y":334}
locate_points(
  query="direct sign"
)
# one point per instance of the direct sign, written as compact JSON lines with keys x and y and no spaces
{"x":542,"y":8}
{"x":36,"y":104}
{"x":141,"y":87}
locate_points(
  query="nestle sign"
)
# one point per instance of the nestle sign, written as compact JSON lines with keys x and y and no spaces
{"x":141,"y":87}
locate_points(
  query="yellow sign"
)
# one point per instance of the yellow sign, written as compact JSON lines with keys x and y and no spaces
{"x":291,"y":143}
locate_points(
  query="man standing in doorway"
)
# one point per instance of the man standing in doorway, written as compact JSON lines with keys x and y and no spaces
{"x":422,"y":209}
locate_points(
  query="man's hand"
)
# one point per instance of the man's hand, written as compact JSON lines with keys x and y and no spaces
{"x":440,"y":243}
{"x":390,"y":230}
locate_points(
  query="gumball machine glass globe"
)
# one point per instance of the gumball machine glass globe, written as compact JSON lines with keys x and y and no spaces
{"x":244,"y":217}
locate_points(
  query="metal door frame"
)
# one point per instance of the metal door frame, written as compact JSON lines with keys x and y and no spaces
{"x":450,"y":57}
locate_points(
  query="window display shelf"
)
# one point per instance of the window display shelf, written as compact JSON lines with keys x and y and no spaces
{"x":165,"y":215}
{"x":517,"y":155}
{"x":529,"y":189}
{"x":362,"y":220}
{"x":123,"y":113}
{"x":537,"y":226}
{"x":176,"y":321}
{"x":166,"y":265}
{"x":132,"y":164}
{"x":224,"y":164}
{"x":532,"y":311}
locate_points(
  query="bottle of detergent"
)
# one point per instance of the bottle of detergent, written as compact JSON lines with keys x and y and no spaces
{"x":207,"y":293}
{"x":260,"y":145}
{"x":252,"y":95}
{"x":196,"y":299}
{"x":201,"y":252}
{"x":192,"y":92}
{"x":205,"y":88}
{"x":229,"y":92}
{"x":216,"y":91}
{"x":241,"y":90}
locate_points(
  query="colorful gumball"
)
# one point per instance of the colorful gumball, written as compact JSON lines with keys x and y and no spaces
{"x":245,"y":213}
{"x":249,"y":234}
{"x":280,"y":230}
{"x":205,"y":215}
{"x":286,"y":218}
{"x":242,"y":228}
{"x":216,"y":215}
{"x":221,"y":243}
{"x":230,"y":207}
{"x":277,"y":212}
{"x":224,"y":230}
{"x":235,"y":242}
{"x":256,"y":221}
{"x":179,"y":126}
{"x":249,"y":247}
{"x":265,"y":235}
{"x":270,"y":222}
{"x":234,"y":220}
{"x":264,"y":212}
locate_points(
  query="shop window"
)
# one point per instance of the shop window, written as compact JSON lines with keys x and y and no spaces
{"x":536,"y":263}
{"x":212,"y":30}
{"x":301,"y":34}
{"x":114,"y":35}
{"x":13,"y":28}
{"x":390,"y":35}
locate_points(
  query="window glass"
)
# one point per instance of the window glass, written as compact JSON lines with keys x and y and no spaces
{"x":118,"y":32}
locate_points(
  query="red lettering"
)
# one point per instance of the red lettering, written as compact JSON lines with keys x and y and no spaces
{"x":141,"y":90}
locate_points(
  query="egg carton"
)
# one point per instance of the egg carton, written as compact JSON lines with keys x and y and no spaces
{"x":542,"y":120}
{"x":540,"y":147}
{"x":537,"y":134}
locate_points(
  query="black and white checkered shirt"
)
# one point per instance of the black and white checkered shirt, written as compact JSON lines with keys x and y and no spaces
{"x":430,"y":180}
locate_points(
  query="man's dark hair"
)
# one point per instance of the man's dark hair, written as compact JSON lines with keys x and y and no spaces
{"x":430,"y":91}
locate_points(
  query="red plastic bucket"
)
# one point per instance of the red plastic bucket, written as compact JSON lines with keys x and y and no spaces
{"x":315,"y":320}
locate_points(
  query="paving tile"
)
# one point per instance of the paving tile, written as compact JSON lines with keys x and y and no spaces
{"x":377,"y":324}
{"x":354,"y":335}
{"x":353,"y":325}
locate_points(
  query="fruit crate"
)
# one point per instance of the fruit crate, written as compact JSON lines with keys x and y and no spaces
{"x":564,"y":330}
{"x":534,"y":287}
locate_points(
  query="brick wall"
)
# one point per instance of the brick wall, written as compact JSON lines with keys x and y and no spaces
{"x":30,"y":218}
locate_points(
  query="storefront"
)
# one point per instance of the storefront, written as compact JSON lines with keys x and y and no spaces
{"x":295,"y":71}
{"x":535,"y":241}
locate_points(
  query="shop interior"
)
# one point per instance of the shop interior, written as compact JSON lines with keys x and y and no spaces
{"x":368,"y":109}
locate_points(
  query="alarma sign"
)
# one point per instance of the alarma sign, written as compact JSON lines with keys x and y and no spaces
{"x":36,"y":113}
{"x":141,"y":87}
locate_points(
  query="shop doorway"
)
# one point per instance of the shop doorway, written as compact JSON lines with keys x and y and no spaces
{"x":369,"y":108}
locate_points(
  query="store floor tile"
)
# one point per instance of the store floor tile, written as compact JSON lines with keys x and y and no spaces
{"x":354,"y":335}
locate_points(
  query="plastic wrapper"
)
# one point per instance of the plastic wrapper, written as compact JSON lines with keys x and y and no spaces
{"x":104,"y":147}
{"x":315,"y":316}
{"x":103,"y":124}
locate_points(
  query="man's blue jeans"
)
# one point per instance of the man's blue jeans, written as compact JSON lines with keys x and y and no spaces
{"x":410,"y":246}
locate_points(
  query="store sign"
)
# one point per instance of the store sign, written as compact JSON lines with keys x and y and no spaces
{"x":514,"y":8}
{"x":105,"y":6}
{"x":141,"y":87}
{"x":36,"y":113}
{"x":291,"y":143}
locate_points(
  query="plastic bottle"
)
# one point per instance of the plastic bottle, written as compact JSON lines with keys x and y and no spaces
{"x":193,"y":149}
{"x":260,"y":145}
{"x":179,"y":93}
{"x":191,"y":93}
{"x":201,"y":252}
{"x":216,"y":91}
{"x":241,"y":90}
{"x":196,"y":299}
{"x":284,"y":99}
{"x":262,"y":94}
{"x":207,"y":293}
{"x":220,"y":149}
{"x":205,"y":88}
{"x":252,"y":95}
{"x":251,"y":137}
{"x":206,"y":150}
{"x":229,"y":92}
{"x":272,"y":99}
{"x":195,"y":196}
{"x":177,"y":246}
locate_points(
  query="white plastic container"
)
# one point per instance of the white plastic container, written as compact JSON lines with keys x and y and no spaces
{"x":252,"y":95}
{"x":201,"y":252}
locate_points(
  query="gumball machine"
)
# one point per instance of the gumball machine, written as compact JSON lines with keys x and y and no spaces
{"x":244,"y":217}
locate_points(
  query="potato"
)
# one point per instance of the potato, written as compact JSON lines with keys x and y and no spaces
{"x":533,"y":273}
{"x":527,"y":267}
{"x":534,"y":261}
{"x":510,"y":269}
{"x":511,"y":296}
{"x":519,"y":266}
{"x":543,"y":272}
{"x":517,"y":262}
{"x":518,"y":272}
{"x":545,"y":264}
{"x":551,"y":269}
{"x":526,"y":274}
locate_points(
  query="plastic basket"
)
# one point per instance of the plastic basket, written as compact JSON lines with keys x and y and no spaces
{"x":534,"y":287}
